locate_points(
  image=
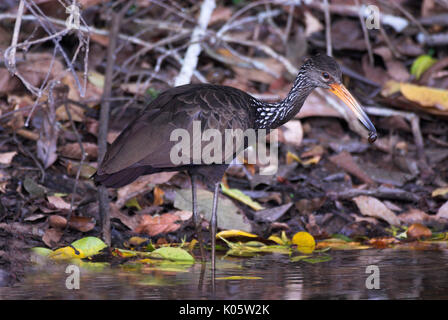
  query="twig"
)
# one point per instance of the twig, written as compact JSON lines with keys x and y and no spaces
{"x":328,"y":28}
{"x":15,"y":38}
{"x":193,"y":51}
{"x":103,"y":197}
{"x":366,"y":34}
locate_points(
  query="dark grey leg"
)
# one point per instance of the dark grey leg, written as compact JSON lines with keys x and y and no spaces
{"x":214,"y":225}
{"x":196,"y":218}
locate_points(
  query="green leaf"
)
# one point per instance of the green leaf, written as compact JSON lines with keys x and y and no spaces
{"x":89,"y":245}
{"x":341,"y":236}
{"x":318,"y":259}
{"x":174,"y":254}
{"x":133,"y":203}
{"x":421,"y":64}
{"x":44,"y":252}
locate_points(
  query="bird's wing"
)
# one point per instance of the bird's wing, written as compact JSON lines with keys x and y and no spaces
{"x":146,"y":141}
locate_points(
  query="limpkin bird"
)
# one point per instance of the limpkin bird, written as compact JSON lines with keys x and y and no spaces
{"x":144,"y":147}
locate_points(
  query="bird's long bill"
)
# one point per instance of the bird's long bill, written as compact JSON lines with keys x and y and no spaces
{"x":342,"y":93}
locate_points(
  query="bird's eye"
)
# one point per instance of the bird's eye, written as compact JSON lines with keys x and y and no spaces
{"x":325,"y":76}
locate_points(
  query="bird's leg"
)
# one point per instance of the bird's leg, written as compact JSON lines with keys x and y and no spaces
{"x":214,"y":225}
{"x":196,"y":218}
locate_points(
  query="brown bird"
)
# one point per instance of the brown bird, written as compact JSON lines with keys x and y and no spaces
{"x":146,"y":145}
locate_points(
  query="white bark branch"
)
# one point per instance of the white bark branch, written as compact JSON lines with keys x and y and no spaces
{"x":193,"y":51}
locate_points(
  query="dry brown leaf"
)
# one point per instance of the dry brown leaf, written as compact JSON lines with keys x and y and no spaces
{"x":73,"y":150}
{"x":6,"y":157}
{"x":370,"y":206}
{"x":417,"y":231}
{"x":346,"y":162}
{"x":83,"y":224}
{"x":57,"y":221}
{"x":443,"y":211}
{"x":159,"y":224}
{"x":414,"y":216}
{"x":58,"y":203}
{"x":52,"y":237}
{"x":158,"y":196}
{"x":291,"y":133}
{"x":141,"y":185}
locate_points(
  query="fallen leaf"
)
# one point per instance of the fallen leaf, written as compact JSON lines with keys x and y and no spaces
{"x":239,"y":278}
{"x":141,"y":185}
{"x":174,"y":254}
{"x":414,"y":216}
{"x":89,"y":245}
{"x":425,"y":96}
{"x":52,"y":236}
{"x":164,"y":223}
{"x":417,"y":231}
{"x":241,"y":197}
{"x":58,"y":203}
{"x":235,"y":233}
{"x":439,"y":192}
{"x":73,"y":151}
{"x":158,"y":196}
{"x":346,"y":162}
{"x":443,"y":211}
{"x":305,"y":242}
{"x":57,"y":221}
{"x":421,"y":64}
{"x":372,"y":207}
{"x":228,"y":214}
{"x":83,"y":224}
{"x":6,"y":157}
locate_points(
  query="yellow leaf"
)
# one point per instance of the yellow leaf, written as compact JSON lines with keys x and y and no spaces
{"x":158,"y":196}
{"x":276,"y":239}
{"x":439,"y":192}
{"x":426,"y":96}
{"x":192,"y":245}
{"x":235,"y":233}
{"x":290,"y":157}
{"x":97,"y":79}
{"x":241,"y":197}
{"x":305,"y":242}
{"x":66,"y":253}
{"x":390,"y":87}
{"x":239,"y":278}
{"x":136,"y":241}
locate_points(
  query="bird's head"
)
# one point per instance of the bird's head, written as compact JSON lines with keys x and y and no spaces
{"x":324,"y":72}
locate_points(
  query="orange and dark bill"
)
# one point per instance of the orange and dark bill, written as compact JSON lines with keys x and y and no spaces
{"x":342,"y":93}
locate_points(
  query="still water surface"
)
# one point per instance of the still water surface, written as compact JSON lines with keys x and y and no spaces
{"x":404,"y":274}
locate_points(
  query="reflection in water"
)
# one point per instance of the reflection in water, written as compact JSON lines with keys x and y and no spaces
{"x":404,"y":274}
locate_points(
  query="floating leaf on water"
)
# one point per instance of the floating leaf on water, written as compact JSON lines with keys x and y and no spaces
{"x":67,"y":253}
{"x":305,"y":242}
{"x":239,"y":278}
{"x":174,"y":254}
{"x":89,"y":245}
{"x":317,"y":259}
{"x":44,"y":252}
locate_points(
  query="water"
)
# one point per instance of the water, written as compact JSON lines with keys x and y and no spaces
{"x":404,"y":274}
